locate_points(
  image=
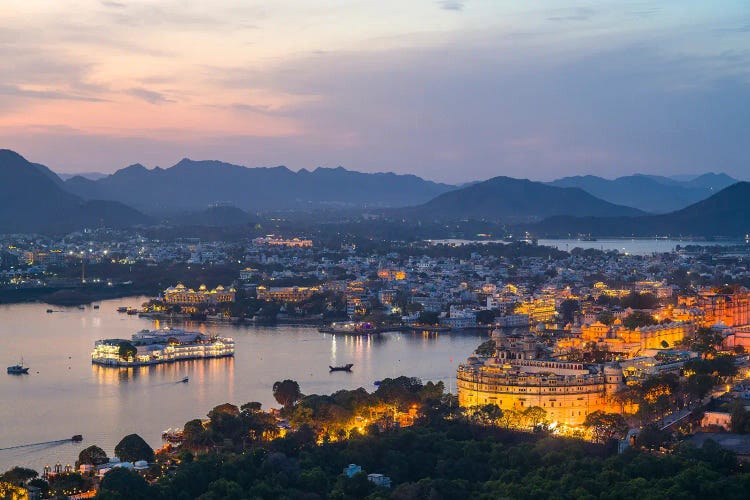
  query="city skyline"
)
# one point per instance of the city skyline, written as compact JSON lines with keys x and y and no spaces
{"x":447,"y":90}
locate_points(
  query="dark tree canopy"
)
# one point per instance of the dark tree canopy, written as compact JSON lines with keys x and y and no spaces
{"x":126,"y":350}
{"x":121,"y":483}
{"x":133,"y":448}
{"x":286,"y":392}
{"x":93,"y":455}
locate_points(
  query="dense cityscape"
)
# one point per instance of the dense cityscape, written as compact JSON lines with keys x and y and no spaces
{"x":326,"y":250}
{"x":621,"y":350}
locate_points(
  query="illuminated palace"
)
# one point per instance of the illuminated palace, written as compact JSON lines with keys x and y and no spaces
{"x":182,"y":295}
{"x":517,"y":377}
{"x":617,"y":338}
{"x":161,"y":346}
{"x":731,"y":309}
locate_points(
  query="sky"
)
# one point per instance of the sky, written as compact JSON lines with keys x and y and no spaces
{"x":449,"y":90}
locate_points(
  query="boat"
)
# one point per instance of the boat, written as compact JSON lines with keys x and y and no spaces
{"x":184,"y":381}
{"x":346,"y":368}
{"x":131,"y":311}
{"x":122,"y":309}
{"x":96,"y":306}
{"x":18,"y":369}
{"x":50,"y":311}
{"x":77,"y":438}
{"x":81,"y":307}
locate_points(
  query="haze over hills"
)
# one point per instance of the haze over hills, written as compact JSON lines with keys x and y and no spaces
{"x":651,"y":193}
{"x":32,"y":200}
{"x":505,"y":198}
{"x":192,"y":185}
{"x":726,"y":213}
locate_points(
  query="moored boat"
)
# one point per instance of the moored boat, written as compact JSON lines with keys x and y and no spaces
{"x":345,"y":368}
{"x":18,"y":369}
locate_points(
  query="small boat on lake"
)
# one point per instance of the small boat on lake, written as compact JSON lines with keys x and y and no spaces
{"x":18,"y":369}
{"x":346,"y":368}
{"x":122,"y":309}
{"x":49,"y":311}
{"x":77,"y":438}
{"x":183,"y":381}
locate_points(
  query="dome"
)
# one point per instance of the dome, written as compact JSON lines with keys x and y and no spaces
{"x":202,"y":288}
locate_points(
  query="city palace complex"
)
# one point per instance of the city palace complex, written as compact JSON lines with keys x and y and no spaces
{"x":567,"y":331}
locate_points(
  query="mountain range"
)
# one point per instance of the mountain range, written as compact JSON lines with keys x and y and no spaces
{"x":508,"y":199}
{"x":32,"y":199}
{"x":193,"y":185}
{"x":651,"y":193}
{"x":726,"y":213}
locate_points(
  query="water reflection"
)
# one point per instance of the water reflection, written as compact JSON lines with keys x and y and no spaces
{"x":70,"y":396}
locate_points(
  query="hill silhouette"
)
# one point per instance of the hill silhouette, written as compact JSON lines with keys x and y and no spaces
{"x":651,"y":193}
{"x":506,"y":198}
{"x":192,"y":185}
{"x":32,"y":200}
{"x":727,"y":214}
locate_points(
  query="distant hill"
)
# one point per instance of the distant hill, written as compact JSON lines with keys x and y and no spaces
{"x":505,"y":198}
{"x":216,"y":216}
{"x":727,"y":213}
{"x":651,"y":193}
{"x":86,"y":175}
{"x":32,"y":200}
{"x":192,"y":185}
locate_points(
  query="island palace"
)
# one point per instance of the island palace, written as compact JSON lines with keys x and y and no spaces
{"x":150,"y":347}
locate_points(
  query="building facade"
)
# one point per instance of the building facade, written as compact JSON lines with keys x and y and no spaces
{"x":515,"y":378}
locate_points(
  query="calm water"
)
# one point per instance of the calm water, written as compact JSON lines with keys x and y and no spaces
{"x":65,"y":394}
{"x":634,"y":246}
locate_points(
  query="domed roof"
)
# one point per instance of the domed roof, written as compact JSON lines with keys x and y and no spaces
{"x":202,"y":288}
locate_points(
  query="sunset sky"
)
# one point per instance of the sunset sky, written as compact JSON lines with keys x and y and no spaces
{"x":449,"y":90}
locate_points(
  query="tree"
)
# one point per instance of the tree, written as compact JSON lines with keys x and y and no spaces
{"x":286,"y":392}
{"x":10,"y":491}
{"x":485,"y":317}
{"x":534,"y":416}
{"x":194,"y":435}
{"x":699,"y":385}
{"x":93,"y":455}
{"x":652,"y":437}
{"x":638,"y":319}
{"x":121,"y":483}
{"x":18,"y":475}
{"x":429,"y":318}
{"x":486,"y":349}
{"x":489,"y":414}
{"x":567,"y":308}
{"x":606,"y":426}
{"x":133,"y":448}
{"x":126,"y":350}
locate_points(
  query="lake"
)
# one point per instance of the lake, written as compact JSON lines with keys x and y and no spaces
{"x":633,"y":246}
{"x":64,"y":394}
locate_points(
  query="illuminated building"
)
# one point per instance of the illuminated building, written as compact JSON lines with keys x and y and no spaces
{"x":658,"y":336}
{"x":620,"y":339}
{"x":286,"y":293}
{"x":517,"y":377}
{"x":281,"y":242}
{"x":730,"y":309}
{"x":391,"y":274}
{"x":162,"y":346}
{"x":541,"y":309}
{"x":181,"y":295}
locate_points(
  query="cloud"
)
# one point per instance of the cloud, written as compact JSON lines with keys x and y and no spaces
{"x":16,"y":91}
{"x":575,"y":14}
{"x":112,"y":4}
{"x":457,"y":5}
{"x":150,"y":96}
